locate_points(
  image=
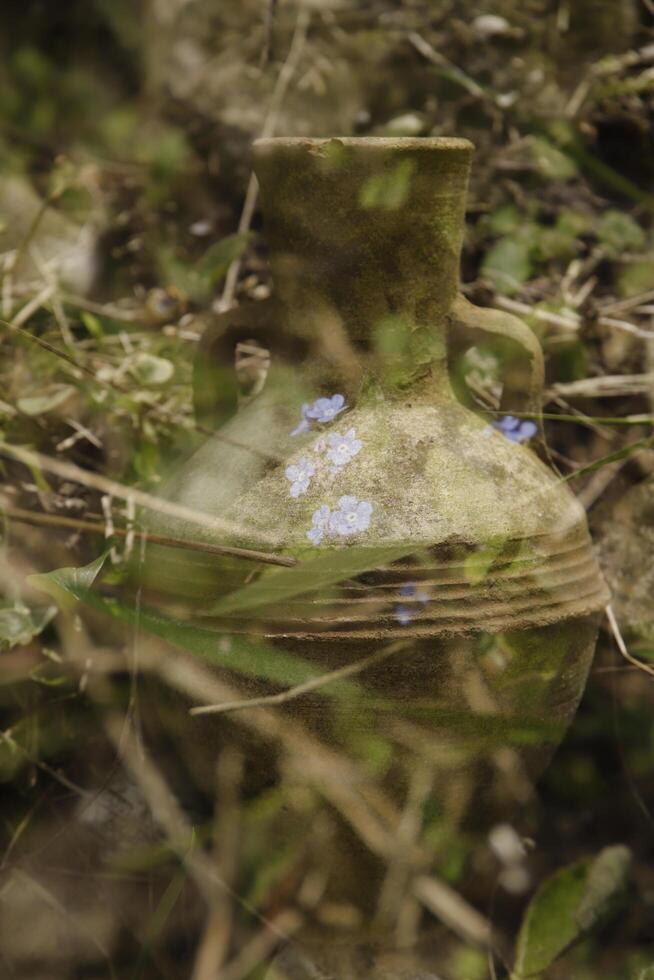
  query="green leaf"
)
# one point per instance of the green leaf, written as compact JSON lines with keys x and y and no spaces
{"x":250,"y":658}
{"x":567,"y":906}
{"x":388,"y":191}
{"x":508,"y":264}
{"x":618,"y":233}
{"x":19,"y":624}
{"x":198,"y":279}
{"x":308,"y":576}
{"x":149,"y":369}
{"x":39,"y":404}
{"x":217,"y":259}
{"x":635,"y":277}
{"x":64,"y":584}
{"x":550,"y":162}
{"x":92,"y":324}
{"x":605,"y":886}
{"x":506,"y":219}
{"x":477,"y":564}
{"x":647,"y":973}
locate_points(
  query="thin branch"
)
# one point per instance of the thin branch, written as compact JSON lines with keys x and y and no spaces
{"x":75,"y":923}
{"x":622,"y":646}
{"x":447,"y":67}
{"x":338,"y":780}
{"x":69,"y":471}
{"x":262,"y":945}
{"x":597,"y":464}
{"x":453,"y":910}
{"x":32,"y":230}
{"x":286,"y":73}
{"x":295,"y":692}
{"x":30,"y":308}
{"x":569,"y":321}
{"x":604,"y":386}
{"x":103,"y":309}
{"x":95,"y":527}
{"x":214,"y":944}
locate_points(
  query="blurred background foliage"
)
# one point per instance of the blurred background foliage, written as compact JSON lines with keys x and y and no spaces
{"x":124,"y":135}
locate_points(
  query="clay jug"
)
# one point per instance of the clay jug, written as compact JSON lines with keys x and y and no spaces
{"x":481,"y":582}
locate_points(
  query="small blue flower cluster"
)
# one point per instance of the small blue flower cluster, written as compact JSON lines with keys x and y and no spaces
{"x":300,"y":474}
{"x":352,"y":516}
{"x":405,"y":614}
{"x":515,"y":430}
{"x":323,"y":410}
{"x":338,"y":449}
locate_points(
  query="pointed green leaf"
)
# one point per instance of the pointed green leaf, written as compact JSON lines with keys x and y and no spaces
{"x":308,"y":576}
{"x":251,"y":658}
{"x":67,"y":585}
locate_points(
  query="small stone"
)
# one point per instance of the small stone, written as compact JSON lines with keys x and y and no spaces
{"x":201,"y":228}
{"x":490,"y":25}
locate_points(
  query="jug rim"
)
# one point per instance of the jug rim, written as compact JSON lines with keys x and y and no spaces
{"x":446,"y":143}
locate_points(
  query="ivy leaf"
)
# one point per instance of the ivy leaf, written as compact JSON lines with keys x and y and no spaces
{"x":567,"y":906}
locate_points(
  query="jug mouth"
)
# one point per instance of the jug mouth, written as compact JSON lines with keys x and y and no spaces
{"x":440,"y":143}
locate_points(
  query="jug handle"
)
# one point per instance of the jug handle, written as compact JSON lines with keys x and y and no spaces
{"x":215,"y":390}
{"x":523,"y":386}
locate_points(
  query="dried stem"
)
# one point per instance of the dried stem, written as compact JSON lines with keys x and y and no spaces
{"x":284,"y":78}
{"x":69,"y":471}
{"x":215,"y":941}
{"x":312,"y":685}
{"x":622,"y":646}
{"x":568,"y":322}
{"x":95,"y":527}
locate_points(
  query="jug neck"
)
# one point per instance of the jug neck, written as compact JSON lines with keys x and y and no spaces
{"x":365,"y":236}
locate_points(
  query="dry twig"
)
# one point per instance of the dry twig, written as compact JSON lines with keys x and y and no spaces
{"x":312,"y":685}
{"x":284,"y":78}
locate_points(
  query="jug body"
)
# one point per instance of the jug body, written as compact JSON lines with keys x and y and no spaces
{"x":447,"y":602}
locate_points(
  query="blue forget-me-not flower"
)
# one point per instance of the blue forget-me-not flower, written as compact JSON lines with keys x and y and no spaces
{"x":326,"y":409}
{"x":322,"y":410}
{"x":515,"y":430}
{"x":304,"y":425}
{"x":405,"y":614}
{"x":300,"y":474}
{"x":352,"y":516}
{"x":320,"y":524}
{"x":342,"y":448}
